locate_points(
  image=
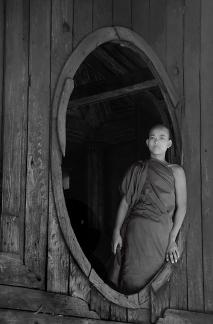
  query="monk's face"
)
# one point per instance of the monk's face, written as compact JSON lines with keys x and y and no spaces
{"x":158,"y":141}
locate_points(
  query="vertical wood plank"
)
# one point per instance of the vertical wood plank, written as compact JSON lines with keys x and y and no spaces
{"x":178,"y":285}
{"x":38,"y":138}
{"x":61,"y":47}
{"x":140,"y":18}
{"x":61,"y":37}
{"x":175,"y":49}
{"x":174,"y":65}
{"x":82,"y":20}
{"x":99,"y":304}
{"x":2,"y":12}
{"x":15,"y":130}
{"x":122,"y":15}
{"x":58,"y":255}
{"x":191,"y":146}
{"x":118,"y":313}
{"x":79,"y":285}
{"x":206,"y":147}
{"x":102,"y":13}
{"x":157,"y":28}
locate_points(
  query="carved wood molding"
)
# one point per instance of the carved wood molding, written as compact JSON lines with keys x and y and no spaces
{"x":62,"y":93}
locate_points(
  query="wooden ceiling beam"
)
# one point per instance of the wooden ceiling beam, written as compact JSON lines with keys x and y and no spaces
{"x":114,"y":94}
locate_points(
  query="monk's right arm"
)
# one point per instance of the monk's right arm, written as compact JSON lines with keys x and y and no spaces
{"x":121,"y":214}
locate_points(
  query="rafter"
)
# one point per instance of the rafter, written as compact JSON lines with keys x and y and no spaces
{"x":109,"y":95}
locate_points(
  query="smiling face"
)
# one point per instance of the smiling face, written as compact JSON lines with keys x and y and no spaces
{"x":158,"y":142}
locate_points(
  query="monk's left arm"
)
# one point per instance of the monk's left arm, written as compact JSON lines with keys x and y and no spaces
{"x":181,"y":202}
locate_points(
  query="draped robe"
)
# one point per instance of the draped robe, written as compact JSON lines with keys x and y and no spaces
{"x":149,"y":189}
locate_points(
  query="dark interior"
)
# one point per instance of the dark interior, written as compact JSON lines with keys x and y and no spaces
{"x":115,"y":101}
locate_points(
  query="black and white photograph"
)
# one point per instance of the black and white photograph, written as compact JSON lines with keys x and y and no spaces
{"x":106,"y":161}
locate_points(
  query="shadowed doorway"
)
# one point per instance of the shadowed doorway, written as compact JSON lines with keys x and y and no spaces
{"x":115,"y":101}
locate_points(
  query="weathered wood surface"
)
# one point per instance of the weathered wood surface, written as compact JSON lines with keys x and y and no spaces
{"x":20,"y":317}
{"x":140,"y":18}
{"x":13,"y":272}
{"x":177,"y":295}
{"x":206,"y":151}
{"x":79,"y":285}
{"x":14,"y":121}
{"x":172,"y":316}
{"x":142,"y":316}
{"x":43,"y":302}
{"x":193,"y":161}
{"x":118,"y":313}
{"x":62,"y":37}
{"x":82,"y":20}
{"x":102,"y":14}
{"x":61,"y":120}
{"x":157,"y":33}
{"x":122,"y":13}
{"x":58,"y":254}
{"x":2,"y":19}
{"x":58,"y":270}
{"x":38,"y":139}
{"x":175,"y":49}
{"x":196,"y":122}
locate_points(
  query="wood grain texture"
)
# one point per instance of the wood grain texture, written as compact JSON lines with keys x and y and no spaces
{"x":20,"y":317}
{"x":122,"y":13}
{"x":174,"y":64}
{"x":175,"y":49}
{"x":15,"y":132}
{"x":172,"y":316}
{"x":141,"y":316}
{"x":58,"y":254}
{"x":2,"y":52}
{"x":38,"y":139}
{"x":62,"y":37}
{"x":61,"y":47}
{"x":118,"y":313}
{"x":157,"y":28}
{"x":140,"y":18}
{"x":192,"y":154}
{"x":178,"y":285}
{"x":79,"y":285}
{"x":206,"y":151}
{"x":40,"y":301}
{"x":61,"y":120}
{"x":13,"y":272}
{"x":102,"y":13}
{"x":82,"y":20}
{"x":99,"y":304}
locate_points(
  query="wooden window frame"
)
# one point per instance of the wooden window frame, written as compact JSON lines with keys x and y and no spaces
{"x":62,"y":94}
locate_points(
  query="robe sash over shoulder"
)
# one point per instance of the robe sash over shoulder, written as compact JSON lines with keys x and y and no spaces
{"x":149,"y":188}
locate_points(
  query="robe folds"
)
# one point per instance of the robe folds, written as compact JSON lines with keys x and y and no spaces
{"x":149,"y":189}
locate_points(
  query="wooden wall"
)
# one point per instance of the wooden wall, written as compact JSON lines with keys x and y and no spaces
{"x":36,"y":38}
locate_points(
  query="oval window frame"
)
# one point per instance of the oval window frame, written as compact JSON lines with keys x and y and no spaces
{"x":61,"y":97}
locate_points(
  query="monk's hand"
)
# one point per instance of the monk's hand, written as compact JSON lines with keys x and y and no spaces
{"x":116,"y":241}
{"x":172,"y":253}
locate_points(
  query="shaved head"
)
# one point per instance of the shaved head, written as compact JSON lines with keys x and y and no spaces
{"x":161,"y":127}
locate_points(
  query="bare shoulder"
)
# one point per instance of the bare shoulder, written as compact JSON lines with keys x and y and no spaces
{"x":178,"y":171}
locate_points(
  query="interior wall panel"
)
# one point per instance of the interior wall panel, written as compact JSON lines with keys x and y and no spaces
{"x":206,"y":148}
{"x":61,"y":47}
{"x":192,"y":153}
{"x":15,"y":130}
{"x":37,"y":185}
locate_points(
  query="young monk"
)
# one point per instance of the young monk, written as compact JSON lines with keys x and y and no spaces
{"x":150,"y":214}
